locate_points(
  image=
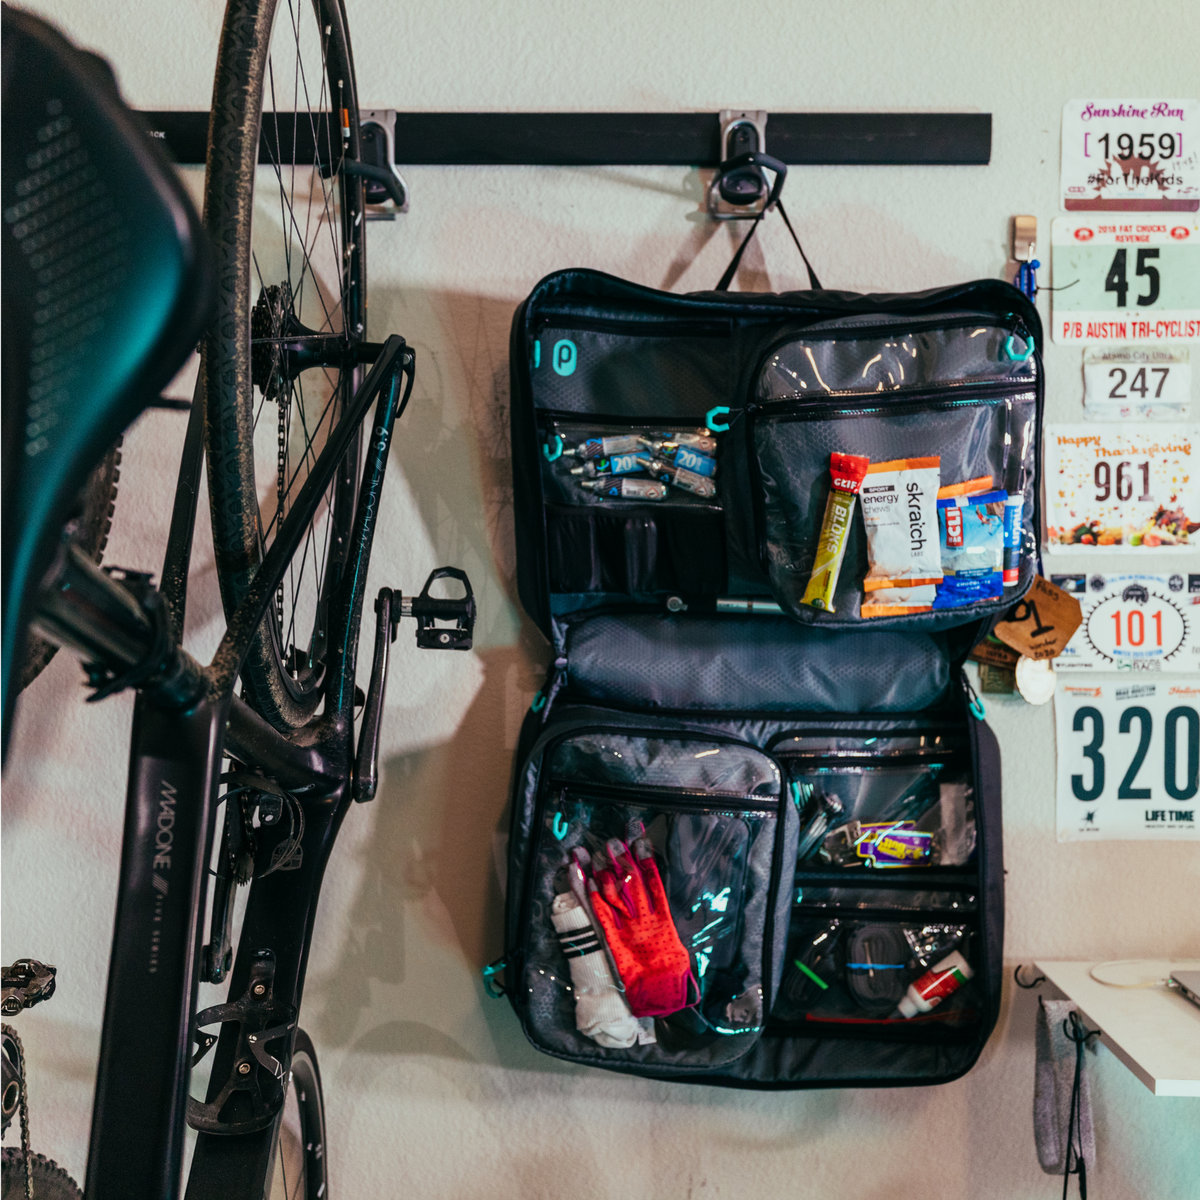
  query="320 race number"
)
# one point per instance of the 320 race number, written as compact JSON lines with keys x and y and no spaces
{"x":1128,"y":759}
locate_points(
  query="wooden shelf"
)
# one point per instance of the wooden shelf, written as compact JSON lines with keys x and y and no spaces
{"x":1154,"y":1031}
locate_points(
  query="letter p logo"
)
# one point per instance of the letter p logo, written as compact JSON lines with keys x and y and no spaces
{"x":564,"y":357}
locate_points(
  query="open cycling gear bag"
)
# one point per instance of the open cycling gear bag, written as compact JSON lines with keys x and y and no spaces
{"x":756,"y":825}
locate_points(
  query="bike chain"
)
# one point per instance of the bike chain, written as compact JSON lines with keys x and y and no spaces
{"x":24,"y":1102}
{"x":282,"y":398}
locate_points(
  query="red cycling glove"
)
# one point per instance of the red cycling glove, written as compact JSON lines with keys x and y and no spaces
{"x":631,"y":907}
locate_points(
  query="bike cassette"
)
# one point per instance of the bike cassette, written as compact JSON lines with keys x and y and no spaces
{"x":253,"y":1093}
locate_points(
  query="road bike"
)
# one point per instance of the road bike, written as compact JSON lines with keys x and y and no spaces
{"x":109,"y":281}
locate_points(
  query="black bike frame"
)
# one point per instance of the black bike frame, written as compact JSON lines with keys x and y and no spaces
{"x":138,"y":1124}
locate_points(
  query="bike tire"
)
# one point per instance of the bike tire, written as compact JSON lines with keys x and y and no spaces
{"x":248,"y":359}
{"x":89,"y":528}
{"x":299,"y":1168}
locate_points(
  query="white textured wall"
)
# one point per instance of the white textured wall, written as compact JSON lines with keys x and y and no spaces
{"x":432,"y":1090}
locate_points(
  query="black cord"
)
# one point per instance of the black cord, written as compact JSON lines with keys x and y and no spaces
{"x":1075,"y":1029}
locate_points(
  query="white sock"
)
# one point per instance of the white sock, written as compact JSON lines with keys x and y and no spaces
{"x":600,"y":1009}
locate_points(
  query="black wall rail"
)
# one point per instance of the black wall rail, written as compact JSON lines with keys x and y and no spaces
{"x":625,"y":139}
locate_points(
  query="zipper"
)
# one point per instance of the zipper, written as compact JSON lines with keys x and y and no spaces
{"x":907,"y":916}
{"x":565,"y":417}
{"x":852,"y":404}
{"x":855,"y":332}
{"x":826,"y":761}
{"x":679,"y":799}
{"x":981,"y":859}
{"x":633,"y":326}
{"x":934,"y":879}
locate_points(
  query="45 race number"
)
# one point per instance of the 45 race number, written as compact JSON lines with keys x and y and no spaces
{"x":1126,"y":278}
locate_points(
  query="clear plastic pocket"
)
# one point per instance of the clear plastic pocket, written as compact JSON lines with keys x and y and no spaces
{"x":880,"y":977}
{"x":893,"y":815}
{"x":653,"y":899}
{"x":938,"y":520}
{"x":845,"y":358}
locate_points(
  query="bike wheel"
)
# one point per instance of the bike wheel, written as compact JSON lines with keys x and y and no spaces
{"x":299,"y":1169}
{"x":278,"y":364}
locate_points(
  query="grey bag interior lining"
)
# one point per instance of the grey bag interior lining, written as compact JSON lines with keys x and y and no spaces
{"x":753,"y":663}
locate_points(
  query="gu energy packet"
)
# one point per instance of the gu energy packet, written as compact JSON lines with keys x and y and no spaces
{"x":899,"y":507}
{"x":1013,"y":509}
{"x":846,"y":475}
{"x":972,"y":538}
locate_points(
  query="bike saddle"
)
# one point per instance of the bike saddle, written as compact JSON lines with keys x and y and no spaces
{"x":107,"y":286}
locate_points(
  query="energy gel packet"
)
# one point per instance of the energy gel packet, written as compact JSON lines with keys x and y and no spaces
{"x":894,"y":844}
{"x":846,"y":473}
{"x":899,"y":504}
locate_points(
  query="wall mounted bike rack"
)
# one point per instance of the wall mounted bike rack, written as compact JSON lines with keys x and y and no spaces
{"x":622,"y":139}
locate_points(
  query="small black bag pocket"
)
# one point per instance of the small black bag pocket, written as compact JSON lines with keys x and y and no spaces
{"x":864,"y":972}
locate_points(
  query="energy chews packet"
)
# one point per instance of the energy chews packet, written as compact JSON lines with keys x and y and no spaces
{"x":972,"y":538}
{"x":846,"y":475}
{"x":899,"y":504}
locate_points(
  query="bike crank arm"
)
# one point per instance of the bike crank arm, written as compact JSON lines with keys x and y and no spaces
{"x":390,"y":608}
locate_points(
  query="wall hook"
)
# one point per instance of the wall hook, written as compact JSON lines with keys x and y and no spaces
{"x":739,"y":193}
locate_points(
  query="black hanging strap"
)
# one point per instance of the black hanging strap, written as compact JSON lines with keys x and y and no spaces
{"x":813,"y":281}
{"x":731,"y":270}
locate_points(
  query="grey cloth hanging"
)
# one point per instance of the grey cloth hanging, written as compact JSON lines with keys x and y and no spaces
{"x":1054,"y":1081}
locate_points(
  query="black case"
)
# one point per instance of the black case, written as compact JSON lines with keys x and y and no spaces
{"x":647,"y":657}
